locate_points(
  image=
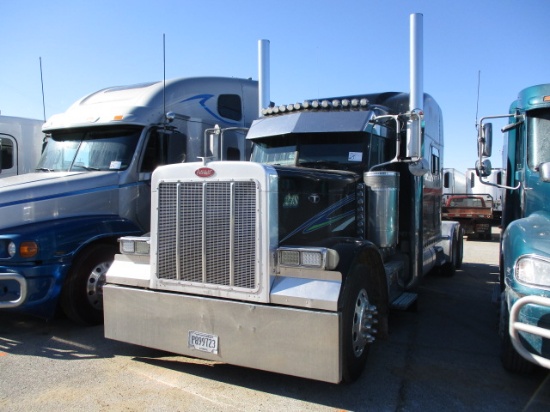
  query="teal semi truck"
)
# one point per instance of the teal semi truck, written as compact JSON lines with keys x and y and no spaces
{"x":525,"y":241}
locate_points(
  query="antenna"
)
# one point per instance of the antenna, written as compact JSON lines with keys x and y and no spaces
{"x":478,"y":85}
{"x":42,"y":82}
{"x":164,"y":76}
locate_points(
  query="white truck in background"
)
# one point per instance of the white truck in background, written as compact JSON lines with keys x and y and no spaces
{"x":59,"y":226}
{"x":454,"y":181}
{"x":496,"y":179}
{"x":21,"y":142}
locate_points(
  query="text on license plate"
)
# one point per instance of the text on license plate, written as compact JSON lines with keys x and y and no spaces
{"x":203,"y":341}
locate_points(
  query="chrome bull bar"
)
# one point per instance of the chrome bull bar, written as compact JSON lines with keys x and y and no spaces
{"x":21,"y":281}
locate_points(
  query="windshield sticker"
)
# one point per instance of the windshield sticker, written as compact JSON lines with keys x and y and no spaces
{"x":355,"y":156}
{"x":115,"y":165}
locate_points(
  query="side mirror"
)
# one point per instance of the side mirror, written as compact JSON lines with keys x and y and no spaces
{"x":483,"y":169}
{"x":486,"y":141}
{"x":544,"y":170}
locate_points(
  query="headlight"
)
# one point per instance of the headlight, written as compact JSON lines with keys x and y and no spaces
{"x":11,"y":249}
{"x":134,"y":245}
{"x":318,"y":258}
{"x":25,"y":249}
{"x":533,"y":271}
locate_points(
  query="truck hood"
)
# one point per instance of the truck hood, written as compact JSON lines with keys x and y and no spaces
{"x":36,"y":197}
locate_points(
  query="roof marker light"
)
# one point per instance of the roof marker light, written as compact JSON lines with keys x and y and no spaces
{"x":345,"y":103}
{"x":355,"y":102}
{"x":297,"y":106}
{"x":306,"y":104}
{"x":336,"y":103}
{"x":315,"y":104}
{"x":325,"y":104}
{"x":364,"y":102}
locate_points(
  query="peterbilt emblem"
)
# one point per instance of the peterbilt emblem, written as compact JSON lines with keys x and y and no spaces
{"x":205,"y":172}
{"x":314,"y":198}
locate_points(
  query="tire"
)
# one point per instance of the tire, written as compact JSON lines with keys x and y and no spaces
{"x":82,"y":294}
{"x":460,"y":248}
{"x":449,"y":268}
{"x":511,"y":360}
{"x":358,"y":320}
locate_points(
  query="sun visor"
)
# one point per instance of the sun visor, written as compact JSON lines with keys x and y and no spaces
{"x":310,"y":122}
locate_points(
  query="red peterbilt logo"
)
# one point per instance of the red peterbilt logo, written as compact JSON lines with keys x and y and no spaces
{"x":205,"y":172}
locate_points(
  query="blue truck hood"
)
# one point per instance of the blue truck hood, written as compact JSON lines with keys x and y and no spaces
{"x":36,"y":197}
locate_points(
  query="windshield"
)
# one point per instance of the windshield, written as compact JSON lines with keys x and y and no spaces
{"x":538,"y":137}
{"x":90,"y":149}
{"x":323,"y":150}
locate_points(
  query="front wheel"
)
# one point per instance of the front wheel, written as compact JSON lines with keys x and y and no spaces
{"x":358,"y":324}
{"x":82,"y":294}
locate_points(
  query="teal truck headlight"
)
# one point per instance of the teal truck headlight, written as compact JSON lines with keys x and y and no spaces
{"x":533,"y":271}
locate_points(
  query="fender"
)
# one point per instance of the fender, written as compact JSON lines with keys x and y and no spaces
{"x":353,"y":252}
{"x":526,"y":236}
{"x":61,"y":239}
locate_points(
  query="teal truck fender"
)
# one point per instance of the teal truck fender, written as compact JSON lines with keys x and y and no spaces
{"x":526,"y":296}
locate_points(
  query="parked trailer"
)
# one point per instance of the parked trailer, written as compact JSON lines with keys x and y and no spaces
{"x":454,"y":181}
{"x":525,"y":250}
{"x":290,"y":263}
{"x":21,"y":142}
{"x":59,"y":226}
{"x":495,"y":190}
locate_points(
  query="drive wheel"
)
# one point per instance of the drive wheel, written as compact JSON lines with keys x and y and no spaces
{"x":510,"y":358}
{"x":358,"y":324}
{"x":82,"y":294}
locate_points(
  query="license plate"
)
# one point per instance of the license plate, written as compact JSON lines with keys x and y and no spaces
{"x":203,"y":342}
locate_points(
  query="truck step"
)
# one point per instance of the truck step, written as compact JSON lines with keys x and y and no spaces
{"x":404,"y":301}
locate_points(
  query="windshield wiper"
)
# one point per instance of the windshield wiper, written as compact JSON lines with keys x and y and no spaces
{"x":86,"y":167}
{"x":43,"y":169}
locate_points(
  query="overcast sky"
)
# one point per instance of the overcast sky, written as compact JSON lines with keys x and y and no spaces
{"x":318,"y":48}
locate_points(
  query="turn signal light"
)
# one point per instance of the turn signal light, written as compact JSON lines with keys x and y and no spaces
{"x":28,"y":249}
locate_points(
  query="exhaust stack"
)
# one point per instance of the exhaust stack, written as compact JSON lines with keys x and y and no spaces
{"x":263,"y":75}
{"x":416,"y":96}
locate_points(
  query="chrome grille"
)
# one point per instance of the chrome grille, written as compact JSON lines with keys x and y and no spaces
{"x":207,"y":233}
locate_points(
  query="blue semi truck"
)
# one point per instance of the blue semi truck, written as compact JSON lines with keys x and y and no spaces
{"x":525,"y":241}
{"x":59,"y":225}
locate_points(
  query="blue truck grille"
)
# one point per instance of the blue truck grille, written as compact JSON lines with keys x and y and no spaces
{"x":207,"y":233}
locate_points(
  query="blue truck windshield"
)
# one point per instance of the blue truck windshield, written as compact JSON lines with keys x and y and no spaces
{"x":538,"y":137}
{"x":90,"y":149}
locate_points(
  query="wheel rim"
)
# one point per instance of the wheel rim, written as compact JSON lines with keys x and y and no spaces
{"x":94,"y":287}
{"x":362,"y":325}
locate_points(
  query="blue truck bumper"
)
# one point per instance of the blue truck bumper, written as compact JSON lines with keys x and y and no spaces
{"x":32,"y":289}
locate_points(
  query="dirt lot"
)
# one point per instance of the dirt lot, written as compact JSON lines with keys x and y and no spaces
{"x":443,"y":357}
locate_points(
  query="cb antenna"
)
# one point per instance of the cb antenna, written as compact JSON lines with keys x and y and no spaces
{"x":164,"y":76}
{"x":42,"y":83}
{"x":478,"y":85}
